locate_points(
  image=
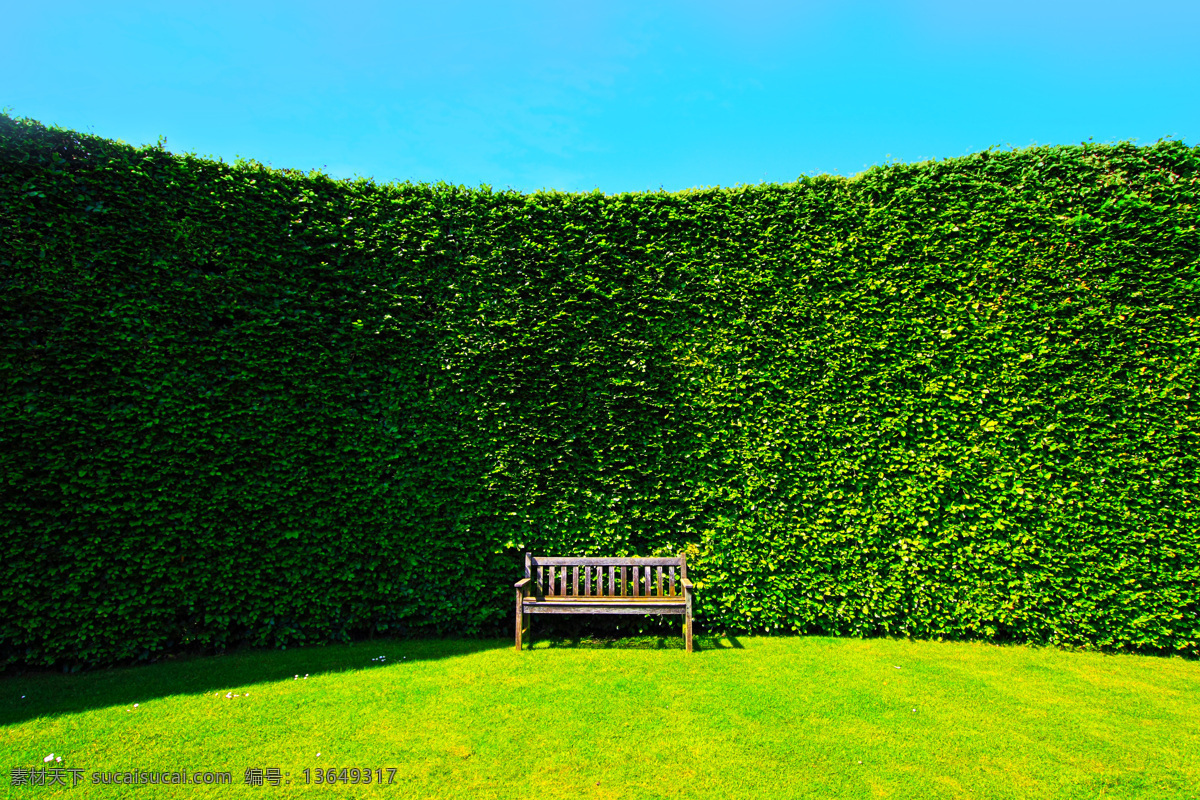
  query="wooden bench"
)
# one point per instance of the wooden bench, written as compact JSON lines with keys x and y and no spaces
{"x":609,"y":586}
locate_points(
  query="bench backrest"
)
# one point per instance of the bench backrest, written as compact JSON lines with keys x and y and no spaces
{"x":605,"y":577}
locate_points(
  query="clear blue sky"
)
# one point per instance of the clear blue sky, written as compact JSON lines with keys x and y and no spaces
{"x":620,"y":96}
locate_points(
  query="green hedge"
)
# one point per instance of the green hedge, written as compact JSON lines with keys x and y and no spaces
{"x":947,"y":399}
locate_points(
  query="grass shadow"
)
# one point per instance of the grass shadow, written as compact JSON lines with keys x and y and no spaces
{"x":46,"y":692}
{"x":593,"y":642}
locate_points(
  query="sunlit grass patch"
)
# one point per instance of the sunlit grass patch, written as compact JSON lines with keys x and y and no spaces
{"x":590,"y":716}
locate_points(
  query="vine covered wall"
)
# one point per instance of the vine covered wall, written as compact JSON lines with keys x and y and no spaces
{"x":950,"y":399}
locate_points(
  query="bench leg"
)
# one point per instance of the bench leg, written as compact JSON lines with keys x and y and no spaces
{"x":520,"y":618}
{"x":687,"y":627}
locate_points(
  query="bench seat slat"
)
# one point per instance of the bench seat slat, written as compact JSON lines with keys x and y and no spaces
{"x":601,"y":608}
{"x":605,"y":605}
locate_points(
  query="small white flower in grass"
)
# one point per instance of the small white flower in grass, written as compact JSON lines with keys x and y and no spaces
{"x":58,"y":759}
{"x":49,"y":757}
{"x":135,"y":705}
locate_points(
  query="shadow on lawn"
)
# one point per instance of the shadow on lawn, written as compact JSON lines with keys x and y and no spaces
{"x":48,"y":692}
{"x":654,"y":642}
{"x":51,"y":692}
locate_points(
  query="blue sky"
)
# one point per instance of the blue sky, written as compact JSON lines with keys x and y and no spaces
{"x":619,"y":96}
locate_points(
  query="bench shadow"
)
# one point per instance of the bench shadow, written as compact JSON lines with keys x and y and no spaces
{"x":606,"y":643}
{"x":644,"y":642}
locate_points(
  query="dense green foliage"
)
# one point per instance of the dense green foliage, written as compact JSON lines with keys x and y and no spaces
{"x":944,"y":399}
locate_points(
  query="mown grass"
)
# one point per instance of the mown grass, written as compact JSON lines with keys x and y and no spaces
{"x":741,"y":717}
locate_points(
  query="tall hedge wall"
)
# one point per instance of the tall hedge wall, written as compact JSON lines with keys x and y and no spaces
{"x":947,"y":399}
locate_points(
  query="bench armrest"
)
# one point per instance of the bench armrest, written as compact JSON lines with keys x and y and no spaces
{"x":687,"y":585}
{"x":521,"y":583}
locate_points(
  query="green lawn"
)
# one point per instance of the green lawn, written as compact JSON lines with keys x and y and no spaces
{"x":741,"y":717}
